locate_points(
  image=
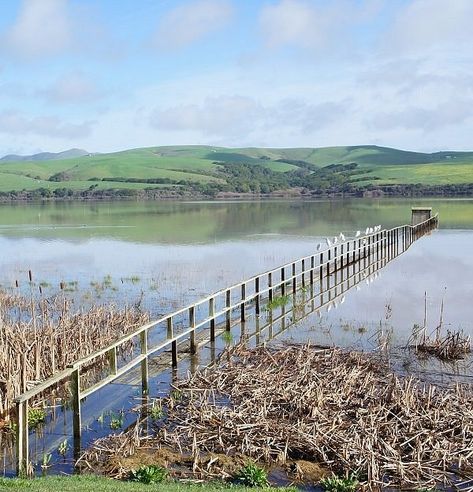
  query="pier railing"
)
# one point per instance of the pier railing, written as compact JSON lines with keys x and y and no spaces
{"x":217,"y":309}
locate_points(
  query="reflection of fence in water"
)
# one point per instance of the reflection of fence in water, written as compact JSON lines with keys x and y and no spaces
{"x":179,"y":334}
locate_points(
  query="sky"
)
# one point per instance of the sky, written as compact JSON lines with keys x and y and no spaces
{"x":107,"y":75}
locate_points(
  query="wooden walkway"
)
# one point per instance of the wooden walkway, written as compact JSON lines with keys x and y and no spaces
{"x":167,"y":341}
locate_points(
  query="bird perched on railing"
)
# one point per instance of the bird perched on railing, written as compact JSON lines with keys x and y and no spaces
{"x":329,"y":243}
{"x":357,"y":233}
{"x":342,"y":237}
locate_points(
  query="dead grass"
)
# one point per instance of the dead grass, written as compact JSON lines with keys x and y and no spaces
{"x":39,"y":337}
{"x":342,"y":410}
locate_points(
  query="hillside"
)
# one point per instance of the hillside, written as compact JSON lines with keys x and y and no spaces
{"x":213,"y":169}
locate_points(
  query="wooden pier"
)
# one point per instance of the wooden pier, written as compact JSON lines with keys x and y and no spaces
{"x":181,"y":333}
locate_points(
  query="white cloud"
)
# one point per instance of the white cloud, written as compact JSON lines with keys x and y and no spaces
{"x":430,"y":25}
{"x":188,"y":23}
{"x":15,"y":123}
{"x":41,"y":29}
{"x":241,"y":117}
{"x":451,"y":113}
{"x":316,"y":26}
{"x":72,"y":88}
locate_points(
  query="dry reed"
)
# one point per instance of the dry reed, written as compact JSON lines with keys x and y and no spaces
{"x":39,"y":337}
{"x":343,"y":410}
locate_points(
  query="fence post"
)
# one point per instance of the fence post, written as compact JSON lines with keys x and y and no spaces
{"x":303,"y":272}
{"x":144,"y":362}
{"x":192,"y":333}
{"x":22,"y":437}
{"x":283,"y":281}
{"x":212,"y":318}
{"x":270,"y":286}
{"x":257,"y":298}
{"x":112,"y":359}
{"x":228,"y":303}
{"x":312,"y":266}
{"x":321,"y":272}
{"x":242,"y":305}
{"x":294,"y":278}
{"x":170,"y":327}
{"x":76,"y":411}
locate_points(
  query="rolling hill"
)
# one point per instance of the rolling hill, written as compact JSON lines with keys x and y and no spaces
{"x":219,"y":167}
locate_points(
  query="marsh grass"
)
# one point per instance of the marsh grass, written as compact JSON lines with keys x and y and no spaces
{"x":40,"y":336}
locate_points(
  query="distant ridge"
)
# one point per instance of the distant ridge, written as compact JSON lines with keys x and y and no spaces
{"x":46,"y":156}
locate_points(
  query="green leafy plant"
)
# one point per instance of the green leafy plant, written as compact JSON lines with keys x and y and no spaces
{"x":116,"y":422}
{"x":340,"y":484}
{"x":63,"y":447}
{"x":156,"y":411}
{"x":46,"y":462}
{"x":148,"y":474}
{"x":36,"y":417}
{"x":277,"y":302}
{"x":252,"y":475}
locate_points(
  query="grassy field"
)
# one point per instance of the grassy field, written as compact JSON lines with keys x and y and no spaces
{"x":199,"y":164}
{"x":97,"y":484}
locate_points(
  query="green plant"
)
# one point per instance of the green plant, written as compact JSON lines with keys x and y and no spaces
{"x":340,"y":484}
{"x":227,"y":337}
{"x":277,"y":302}
{"x":46,"y":462}
{"x":156,"y":411}
{"x":36,"y":417}
{"x":252,"y":475}
{"x":63,"y":447}
{"x":148,"y":474}
{"x":116,"y":422}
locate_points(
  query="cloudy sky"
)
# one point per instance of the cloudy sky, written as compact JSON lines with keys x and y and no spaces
{"x":105,"y":75}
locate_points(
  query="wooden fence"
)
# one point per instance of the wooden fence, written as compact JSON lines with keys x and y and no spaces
{"x":206,"y":314}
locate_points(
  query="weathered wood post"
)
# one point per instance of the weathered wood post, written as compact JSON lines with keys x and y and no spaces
{"x":270,"y":286}
{"x":242,"y":305}
{"x":170,"y":334}
{"x":192,"y":344}
{"x":112,"y":360}
{"x":283,"y":281}
{"x":76,"y":412}
{"x":321,"y":266}
{"x":294,"y":279}
{"x":144,"y":362}
{"x":212,"y":318}
{"x":22,"y":438}
{"x":312,"y":268}
{"x":228,"y":313}
{"x":257,"y":298}
{"x":303,"y":272}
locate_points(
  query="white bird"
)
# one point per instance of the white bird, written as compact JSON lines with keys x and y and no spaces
{"x":335,"y":240}
{"x":357,"y":233}
{"x":342,"y":236}
{"x":328,"y":242}
{"x":367,"y":230}
{"x":371,"y":230}
{"x":364,"y":241}
{"x":319,"y":246}
{"x":379,"y":227}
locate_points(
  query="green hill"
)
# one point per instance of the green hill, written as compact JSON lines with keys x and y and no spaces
{"x":226,"y":169}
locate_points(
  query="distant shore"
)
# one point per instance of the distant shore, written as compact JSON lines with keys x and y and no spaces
{"x":158,"y":194}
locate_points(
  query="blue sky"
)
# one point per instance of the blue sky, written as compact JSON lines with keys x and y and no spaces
{"x":105,"y":75}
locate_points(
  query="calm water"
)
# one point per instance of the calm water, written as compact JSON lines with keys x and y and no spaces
{"x":172,"y":253}
{"x":177,"y":252}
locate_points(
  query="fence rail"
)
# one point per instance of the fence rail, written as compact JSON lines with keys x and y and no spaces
{"x":237,"y":297}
